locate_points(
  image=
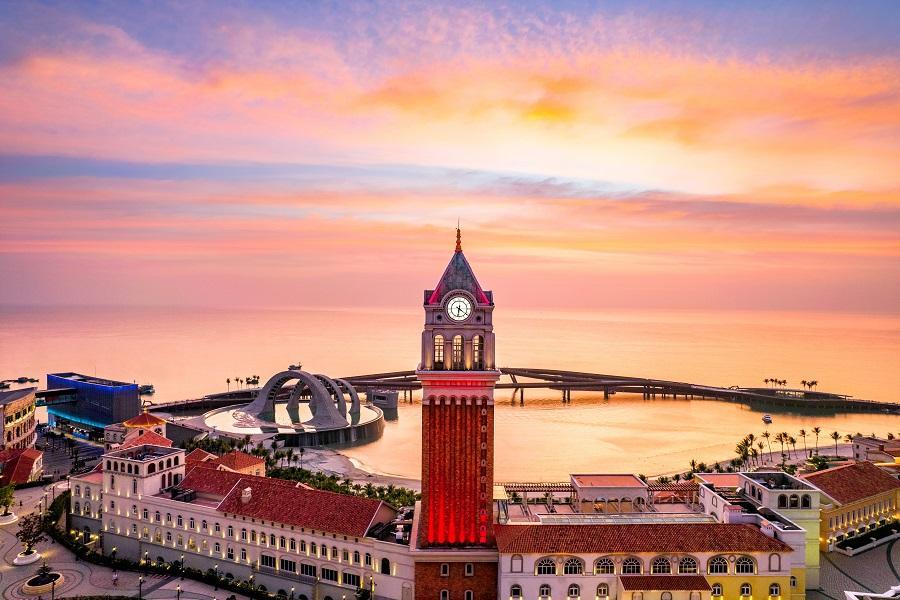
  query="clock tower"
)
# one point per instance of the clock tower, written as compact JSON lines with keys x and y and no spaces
{"x":454,"y":537}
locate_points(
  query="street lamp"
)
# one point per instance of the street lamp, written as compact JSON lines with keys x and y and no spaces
{"x":178,"y":592}
{"x":146,"y":562}
{"x":113,"y":552}
{"x":292,"y":593}
{"x":53,"y":590}
{"x":182,"y":567}
{"x":216,"y":569}
{"x":140,"y":587}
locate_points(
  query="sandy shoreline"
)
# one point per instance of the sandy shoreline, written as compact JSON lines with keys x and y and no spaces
{"x":331,"y":461}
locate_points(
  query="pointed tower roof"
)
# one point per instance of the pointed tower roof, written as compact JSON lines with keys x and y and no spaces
{"x":458,"y":276}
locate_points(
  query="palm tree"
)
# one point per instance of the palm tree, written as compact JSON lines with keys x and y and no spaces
{"x":802,"y":433}
{"x":890,"y":435}
{"x":767,"y":380}
{"x":302,"y":450}
{"x":793,"y":442}
{"x":228,"y":381}
{"x":754,"y":455}
{"x":813,"y":384}
{"x":849,"y":438}
{"x":835,"y":436}
{"x":817,"y":431}
{"x":759,"y":445}
{"x":767,"y":435}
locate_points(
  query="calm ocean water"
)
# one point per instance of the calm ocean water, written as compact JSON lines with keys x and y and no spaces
{"x":190,"y":352}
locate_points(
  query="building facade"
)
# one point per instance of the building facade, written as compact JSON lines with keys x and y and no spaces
{"x":87,"y":404}
{"x":17,"y":418}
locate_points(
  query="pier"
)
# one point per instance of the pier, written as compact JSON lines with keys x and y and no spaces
{"x":521,"y":380}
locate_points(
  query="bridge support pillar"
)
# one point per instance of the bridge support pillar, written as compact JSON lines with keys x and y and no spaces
{"x":521,"y":396}
{"x":606,"y":393}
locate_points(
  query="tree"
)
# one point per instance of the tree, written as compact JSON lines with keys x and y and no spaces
{"x":817,"y":431}
{"x":802,"y":434}
{"x":767,"y":435}
{"x":31,"y":531}
{"x":6,"y":498}
{"x":835,"y":436}
{"x":228,"y":382}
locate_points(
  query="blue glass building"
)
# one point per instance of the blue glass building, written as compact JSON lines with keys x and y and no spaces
{"x":90,"y":403}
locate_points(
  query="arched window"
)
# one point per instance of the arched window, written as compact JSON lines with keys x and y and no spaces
{"x":717,"y":589}
{"x":229,"y":531}
{"x":744,"y":564}
{"x":438,"y":352}
{"x":573,"y":566}
{"x":179,"y":520}
{"x":795,"y":501}
{"x":87,"y":508}
{"x":217,"y":547}
{"x":77,"y":508}
{"x":806,"y":501}
{"x":544,"y":591}
{"x":87,"y":492}
{"x":458,"y":364}
{"x":602,"y":590}
{"x":151,"y":468}
{"x":661,"y":565}
{"x":793,"y":581}
{"x":574,"y":591}
{"x":515,"y":592}
{"x":665,"y":596}
{"x":77,"y":490}
{"x":774,"y":590}
{"x":782,"y":501}
{"x":604,"y":566}
{"x":385,"y":566}
{"x":718,"y":564}
{"x":146,"y":514}
{"x":632,"y":566}
{"x":515,"y":563}
{"x":545,"y":566}
{"x":774,"y":562}
{"x":687,"y":565}
{"x":746,"y":590}
{"x":478,"y":353}
{"x":445,"y":594}
{"x":469,"y":595}
{"x":356,"y":556}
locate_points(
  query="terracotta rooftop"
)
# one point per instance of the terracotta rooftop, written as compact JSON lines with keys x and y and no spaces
{"x":236,"y":460}
{"x":207,"y":478}
{"x":148,"y":437}
{"x":664,"y":582}
{"x":302,"y":507}
{"x":637,"y":537}
{"x":18,"y":464}
{"x":894,"y":451}
{"x":144,"y":420}
{"x":608,"y":480}
{"x":852,"y":482}
{"x":729,"y":480}
{"x":198,"y":455}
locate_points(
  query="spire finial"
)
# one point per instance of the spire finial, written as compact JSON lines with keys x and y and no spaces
{"x":458,"y":238}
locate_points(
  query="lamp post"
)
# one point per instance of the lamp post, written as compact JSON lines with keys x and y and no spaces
{"x":146,"y":562}
{"x":292,"y":593}
{"x":140,"y":587}
{"x":113,"y":552}
{"x":181,"y":567}
{"x":53,"y":590}
{"x":178,"y":592}
{"x":216,"y":569}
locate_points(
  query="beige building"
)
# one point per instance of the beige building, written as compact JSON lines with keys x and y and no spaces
{"x":18,"y":420}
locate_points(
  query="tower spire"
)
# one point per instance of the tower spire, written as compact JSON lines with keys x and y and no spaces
{"x":458,"y":238}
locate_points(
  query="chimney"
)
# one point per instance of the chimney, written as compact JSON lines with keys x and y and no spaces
{"x":246,"y":494}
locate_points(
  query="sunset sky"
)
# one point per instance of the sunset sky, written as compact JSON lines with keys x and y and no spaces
{"x":699,"y":155}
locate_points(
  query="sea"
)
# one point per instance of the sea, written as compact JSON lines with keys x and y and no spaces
{"x":189,"y":352}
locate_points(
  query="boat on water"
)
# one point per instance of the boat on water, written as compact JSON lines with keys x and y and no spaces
{"x":3,"y":385}
{"x":146,"y":390}
{"x":767,"y":419}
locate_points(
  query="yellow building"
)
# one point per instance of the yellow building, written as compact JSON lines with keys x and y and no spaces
{"x":858,"y":497}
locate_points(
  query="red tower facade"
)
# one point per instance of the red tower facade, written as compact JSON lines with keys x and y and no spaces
{"x":454,"y":545}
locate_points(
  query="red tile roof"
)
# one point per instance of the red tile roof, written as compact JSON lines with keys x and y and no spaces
{"x":148,"y":437}
{"x":144,"y":419}
{"x":664,"y":582}
{"x":198,"y":455}
{"x":237,"y":460}
{"x":852,"y":482}
{"x":207,"y":478}
{"x":18,"y":465}
{"x":316,"y":509}
{"x":637,"y":537}
{"x":608,"y":480}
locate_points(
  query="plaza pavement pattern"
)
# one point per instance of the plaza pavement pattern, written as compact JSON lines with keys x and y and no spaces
{"x":82,"y":578}
{"x":873,"y":571}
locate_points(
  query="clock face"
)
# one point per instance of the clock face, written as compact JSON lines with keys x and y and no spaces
{"x":459,"y":308}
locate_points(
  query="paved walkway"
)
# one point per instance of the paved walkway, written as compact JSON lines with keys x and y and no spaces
{"x":875,"y":570}
{"x":83,"y":578}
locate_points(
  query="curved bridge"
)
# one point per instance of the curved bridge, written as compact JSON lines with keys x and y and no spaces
{"x":326,"y":399}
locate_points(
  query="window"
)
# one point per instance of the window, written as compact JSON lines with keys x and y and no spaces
{"x":282,"y":542}
{"x":243,"y":554}
{"x":717,"y":589}
{"x":313,"y":549}
{"x":267,"y":561}
{"x":744,"y":564}
{"x":469,"y":595}
{"x":445,"y":594}
{"x":793,"y":581}
{"x":602,"y":590}
{"x":356,"y":557}
{"x":229,"y":532}
{"x":665,"y":596}
{"x":288,"y":565}
{"x":243,"y":535}
{"x":368,"y":562}
{"x":334,"y":552}
{"x":168,"y":536}
{"x":661,"y":565}
{"x":180,"y":521}
{"x":229,"y":553}
{"x":329,"y":574}
{"x":145,"y":513}
{"x":217,"y":547}
{"x":386,"y":567}
{"x":350,"y":579}
{"x":774,"y":562}
{"x":544,"y":591}
{"x":746,"y":590}
{"x":774,"y":590}
{"x":203,"y":525}
{"x":445,"y":568}
{"x":308,"y":570}
{"x":782,"y":501}
{"x":478,"y":353}
{"x":77,"y":490}
{"x":573,"y":566}
{"x":631,"y":566}
{"x":134,"y":528}
{"x":168,"y":517}
{"x":605,"y":566}
{"x":515,"y":592}
{"x":134,"y":486}
{"x":794,"y":501}
{"x":574,"y":591}
{"x":718,"y":564}
{"x":293,"y":546}
{"x":806,"y":501}
{"x":687,"y":565}
{"x":458,"y":364}
{"x":545,"y":566}
{"x":252,"y":536}
{"x":438,"y":352}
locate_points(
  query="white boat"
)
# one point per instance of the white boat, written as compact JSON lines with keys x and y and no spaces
{"x":767,"y":419}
